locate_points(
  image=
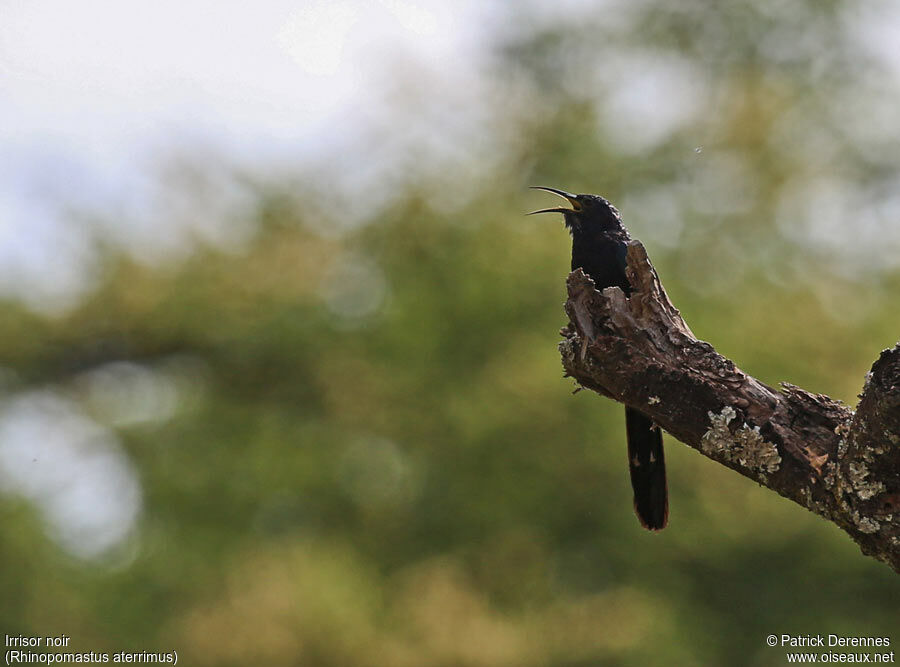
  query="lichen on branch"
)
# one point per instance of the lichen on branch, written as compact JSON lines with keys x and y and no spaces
{"x":840,"y":464}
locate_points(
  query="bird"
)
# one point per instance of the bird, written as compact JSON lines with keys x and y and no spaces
{"x":599,"y":248}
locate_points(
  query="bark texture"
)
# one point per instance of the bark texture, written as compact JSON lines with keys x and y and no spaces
{"x":841,"y":465}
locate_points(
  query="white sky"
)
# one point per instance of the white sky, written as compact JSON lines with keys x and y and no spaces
{"x":93,"y":95}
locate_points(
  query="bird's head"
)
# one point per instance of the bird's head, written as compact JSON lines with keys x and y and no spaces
{"x":588,"y":211}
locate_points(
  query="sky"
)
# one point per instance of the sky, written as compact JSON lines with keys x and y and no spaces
{"x":99,"y":100}
{"x":96,"y":97}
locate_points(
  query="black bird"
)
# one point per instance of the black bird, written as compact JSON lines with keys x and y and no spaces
{"x":598,"y":248}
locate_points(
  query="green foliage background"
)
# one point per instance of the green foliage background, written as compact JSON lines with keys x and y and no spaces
{"x":374,"y":458}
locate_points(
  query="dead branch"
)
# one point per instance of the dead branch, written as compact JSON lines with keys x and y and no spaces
{"x":841,"y":465}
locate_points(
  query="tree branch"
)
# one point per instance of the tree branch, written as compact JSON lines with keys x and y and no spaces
{"x":841,"y":465}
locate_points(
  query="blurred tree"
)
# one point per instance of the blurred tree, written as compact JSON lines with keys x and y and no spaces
{"x":337,"y":466}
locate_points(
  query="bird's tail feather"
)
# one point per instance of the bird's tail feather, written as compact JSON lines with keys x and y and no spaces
{"x":647,"y":464}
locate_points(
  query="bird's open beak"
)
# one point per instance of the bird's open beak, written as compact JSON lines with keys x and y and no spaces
{"x":572,"y":199}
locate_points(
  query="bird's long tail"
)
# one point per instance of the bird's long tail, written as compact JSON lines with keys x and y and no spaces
{"x":648,"y":470}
